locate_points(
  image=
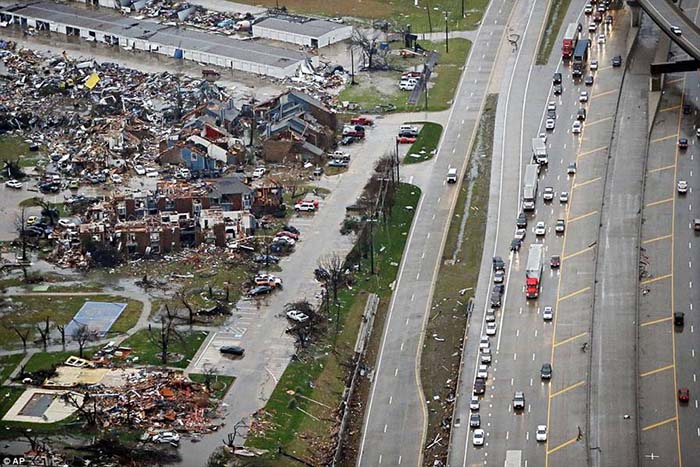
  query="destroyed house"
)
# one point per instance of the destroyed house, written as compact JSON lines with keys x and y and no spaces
{"x":231,"y":194}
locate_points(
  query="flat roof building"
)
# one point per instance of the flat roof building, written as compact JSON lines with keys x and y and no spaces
{"x":132,"y":34}
{"x":303,"y":31}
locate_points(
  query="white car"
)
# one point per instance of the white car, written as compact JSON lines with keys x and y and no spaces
{"x":588,"y":9}
{"x":139,"y":169}
{"x":305,"y":206}
{"x":676,"y":30}
{"x":486,"y":356}
{"x":298,"y":316}
{"x":152,"y":173}
{"x":491,"y":329}
{"x":259,"y":172}
{"x":601,"y":38}
{"x":551,"y":105}
{"x":116,"y":178}
{"x":478,"y":437}
{"x":520,"y":234}
{"x":564,"y":197}
{"x":592,"y":27}
{"x":66,"y":223}
{"x":474,"y":403}
{"x":594,"y":65}
{"x":697,"y":132}
{"x":583,"y":97}
{"x":682,"y":187}
{"x":16,"y":184}
{"x":540,"y":228}
{"x":548,"y":194}
{"x":164,"y":437}
{"x":547,"y":313}
{"x":541,"y":434}
{"x":576,"y":128}
{"x":482,"y":372}
{"x":549,"y":124}
{"x":484,"y":343}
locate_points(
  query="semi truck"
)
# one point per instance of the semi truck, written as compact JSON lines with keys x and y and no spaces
{"x":539,"y":151}
{"x":580,"y":57}
{"x":533,"y":272}
{"x":514,"y":458}
{"x":530,"y":187}
{"x":571,"y":37}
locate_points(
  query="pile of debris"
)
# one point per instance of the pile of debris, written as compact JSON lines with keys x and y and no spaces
{"x":196,"y":16}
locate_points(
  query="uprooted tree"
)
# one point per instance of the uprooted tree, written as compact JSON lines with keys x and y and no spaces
{"x":332,"y":272}
{"x":164,"y":335}
{"x":304,"y":330}
{"x":374,"y":57}
{"x":81,"y":335}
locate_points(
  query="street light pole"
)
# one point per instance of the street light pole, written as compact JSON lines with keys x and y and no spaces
{"x":447,"y":38}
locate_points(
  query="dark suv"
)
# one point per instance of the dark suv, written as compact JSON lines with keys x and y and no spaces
{"x":521,"y":221}
{"x":557,"y":78}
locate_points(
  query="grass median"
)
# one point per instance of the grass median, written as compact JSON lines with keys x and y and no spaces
{"x":555,"y":18}
{"x":459,"y":273}
{"x":378,"y":89}
{"x":301,"y":412}
{"x":426,"y":144}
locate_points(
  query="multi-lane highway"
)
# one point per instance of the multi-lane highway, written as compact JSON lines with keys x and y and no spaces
{"x":395,"y":417}
{"x":667,"y":14}
{"x":524,"y":340}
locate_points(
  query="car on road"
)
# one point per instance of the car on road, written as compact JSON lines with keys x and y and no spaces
{"x":540,"y":228}
{"x":564,"y":197}
{"x":485,"y":356}
{"x":490,"y":316}
{"x":15,"y":184}
{"x":617,"y":61}
{"x":558,"y":89}
{"x":406,"y":139}
{"x":550,"y":124}
{"x":520,"y":234}
{"x":560,"y":226}
{"x":594,"y":65}
{"x":474,"y":403}
{"x":66,"y":223}
{"x":697,"y":132}
{"x":555,"y":262}
{"x":484,"y":342}
{"x":556,"y":78}
{"x":521,"y":221}
{"x":588,"y":9}
{"x":475,"y":420}
{"x":581,"y":114}
{"x":683,"y":394}
{"x":496,"y":296}
{"x":571,"y":169}
{"x":498,"y":263}
{"x":515,"y":244}
{"x":478,"y":437}
{"x":683,"y":143}
{"x":260,"y":290}
{"x":491,"y":329}
{"x":583,"y":97}
{"x":546,"y":371}
{"x":479,"y":386}
{"x":551,"y":106}
{"x":601,"y":39}
{"x":499,"y":276}
{"x":548,"y":193}
{"x":116,"y":178}
{"x":547,"y":313}
{"x":338,"y":163}
{"x":696,"y":224}
{"x":676,"y":30}
{"x":576,"y":127}
{"x":682,"y":187}
{"x":588,"y":81}
{"x":232,"y":350}
{"x":687,"y":109}
{"x":305,"y":206}
{"x":678,"y":318}
{"x":298,"y":316}
{"x":482,"y":372}
{"x":592,"y":27}
{"x":552,"y":114}
{"x":541,"y":434}
{"x":519,"y":400}
{"x":269,"y":259}
{"x":347,"y":140}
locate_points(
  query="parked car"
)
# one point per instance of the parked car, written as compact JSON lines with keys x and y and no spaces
{"x":16,"y":184}
{"x":305,"y":206}
{"x":139,"y":169}
{"x":286,"y":233}
{"x":259,"y":172}
{"x":347,"y":140}
{"x":406,"y":139}
{"x":116,"y":178}
{"x":232,"y":350}
{"x":31,"y":220}
{"x":260,"y":290}
{"x":270,"y":259}
{"x":298,"y":316}
{"x":338,"y":163}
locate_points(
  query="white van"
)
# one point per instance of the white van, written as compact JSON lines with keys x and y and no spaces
{"x":452,"y":175}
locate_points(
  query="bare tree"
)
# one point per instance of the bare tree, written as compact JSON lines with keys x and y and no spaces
{"x":23,"y":334}
{"x":186,"y":304}
{"x":21,"y":230}
{"x":81,"y":335}
{"x":62,"y":329}
{"x":374,"y":57}
{"x":85,"y":405}
{"x":44,"y":332}
{"x":210,"y":374}
{"x":332,"y":269}
{"x":163,"y":336}
{"x":303,"y":331}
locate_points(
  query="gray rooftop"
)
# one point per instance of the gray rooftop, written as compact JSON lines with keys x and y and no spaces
{"x":157,"y":34}
{"x":311,"y":28}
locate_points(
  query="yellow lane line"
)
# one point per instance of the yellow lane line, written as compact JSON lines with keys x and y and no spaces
{"x":573,"y":294}
{"x":659,"y":169}
{"x":656,"y":203}
{"x":580,"y":252}
{"x":595,"y":122}
{"x":674,"y":81}
{"x":573,"y":338}
{"x":591,"y":151}
{"x":668,"y":109}
{"x":658,"y":370}
{"x":563,"y":445}
{"x":604,"y":93}
{"x":664,"y":138}
{"x":587,"y":182}
{"x":582,"y":216}
{"x":656,"y":279}
{"x":652,"y":240}
{"x":656,"y":321}
{"x":567,"y":389}
{"x":658,"y":424}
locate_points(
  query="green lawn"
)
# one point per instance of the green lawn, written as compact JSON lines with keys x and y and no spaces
{"x":7,"y":364}
{"x":12,"y":147}
{"x":45,"y":360}
{"x":31,"y":310}
{"x":8,"y":396}
{"x":371,"y":91}
{"x":317,"y":380}
{"x":425,"y":144}
{"x":398,"y":12}
{"x":148,"y":351}
{"x":557,"y":13}
{"x":220,"y":383}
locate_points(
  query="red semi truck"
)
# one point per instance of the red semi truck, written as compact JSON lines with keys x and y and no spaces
{"x":533,"y":273}
{"x":570,"y":40}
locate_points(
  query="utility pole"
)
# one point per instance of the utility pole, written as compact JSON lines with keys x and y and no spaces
{"x":397,"y":161}
{"x":462,"y":9}
{"x":447,"y":37}
{"x":352,"y":66}
{"x":430,"y":24}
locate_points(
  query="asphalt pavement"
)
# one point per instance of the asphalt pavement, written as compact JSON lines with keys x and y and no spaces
{"x":524,"y":340}
{"x":395,"y":419}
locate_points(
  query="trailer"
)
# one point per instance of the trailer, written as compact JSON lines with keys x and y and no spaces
{"x":514,"y":458}
{"x":533,"y":272}
{"x":580,"y":57}
{"x":570,"y":40}
{"x":530,"y":187}
{"x":539,"y":151}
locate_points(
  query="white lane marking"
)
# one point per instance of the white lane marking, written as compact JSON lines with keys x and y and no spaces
{"x":402,"y":346}
{"x":391,"y":399}
{"x":385,"y":426}
{"x":417,"y":276}
{"x":533,"y":356}
{"x":399,"y":460}
{"x":515,"y":356}
{"x":380,"y":458}
{"x":517,"y":332}
{"x":396,"y":371}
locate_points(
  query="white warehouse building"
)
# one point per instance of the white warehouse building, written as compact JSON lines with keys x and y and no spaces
{"x":308,"y":32}
{"x":108,"y":27}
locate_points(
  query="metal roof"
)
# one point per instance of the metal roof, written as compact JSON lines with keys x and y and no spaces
{"x":314,"y":28}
